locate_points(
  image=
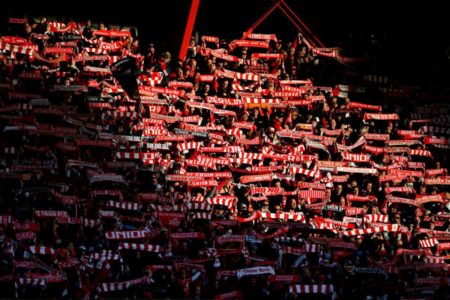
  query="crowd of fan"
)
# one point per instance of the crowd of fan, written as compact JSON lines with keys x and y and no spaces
{"x":227,"y":175}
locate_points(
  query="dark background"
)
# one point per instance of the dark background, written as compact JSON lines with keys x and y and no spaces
{"x":413,"y":37}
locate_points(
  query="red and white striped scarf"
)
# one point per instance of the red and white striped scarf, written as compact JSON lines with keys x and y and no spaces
{"x":352,"y":170}
{"x":444,"y":180}
{"x":354,"y":198}
{"x":250,"y":44}
{"x":124,"y":205}
{"x":202,"y":183}
{"x":420,"y":152}
{"x":311,"y":289}
{"x":119,"y":286}
{"x":256,"y":178}
{"x":255,"y":271}
{"x":4,"y":219}
{"x":137,"y":155}
{"x":285,"y":278}
{"x":125,"y":235}
{"x":29,"y":235}
{"x":428,"y":243}
{"x":50,"y":213}
{"x":189,"y":146}
{"x":307,"y":172}
{"x":376,"y":137}
{"x":422,"y":199}
{"x":140,"y":247}
{"x":196,"y":205}
{"x":384,"y":228}
{"x":381,"y":117}
{"x":364,"y":106}
{"x":308,"y":248}
{"x":400,"y":189}
{"x":187,"y":235}
{"x":361,"y":141}
{"x":230,"y":295}
{"x":399,"y":200}
{"x":267,"y":191}
{"x":311,"y":194}
{"x":228,"y":201}
{"x":435,"y":172}
{"x":300,"y":217}
{"x":364,"y":158}
{"x":201,"y":215}
{"x":376,"y":218}
{"x":41,"y":250}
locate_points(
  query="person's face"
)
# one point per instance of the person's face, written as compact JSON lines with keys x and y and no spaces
{"x":28,"y":28}
{"x":277,"y":209}
{"x":184,"y":246}
{"x":294,"y":114}
{"x":293,"y":203}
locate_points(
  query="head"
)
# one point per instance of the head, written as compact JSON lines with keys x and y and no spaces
{"x":243,"y":207}
{"x":277,"y":209}
{"x":265,"y":206}
{"x":294,"y":113}
{"x":271,"y":132}
{"x":165,"y":57}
